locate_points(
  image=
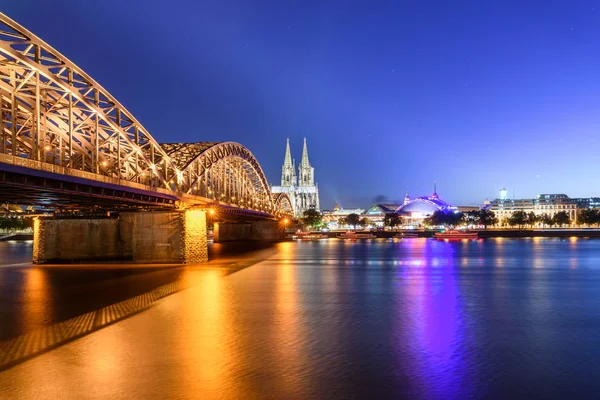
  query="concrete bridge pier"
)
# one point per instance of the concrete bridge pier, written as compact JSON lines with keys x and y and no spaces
{"x":141,"y":237}
{"x":248,"y":231}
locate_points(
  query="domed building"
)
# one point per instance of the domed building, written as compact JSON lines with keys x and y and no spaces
{"x":419,"y":208}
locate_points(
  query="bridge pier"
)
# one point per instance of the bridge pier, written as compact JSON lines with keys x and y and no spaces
{"x":248,"y":231}
{"x":177,"y":237}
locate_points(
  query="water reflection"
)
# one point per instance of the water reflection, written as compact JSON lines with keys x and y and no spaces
{"x":38,"y":308}
{"x":410,"y":319}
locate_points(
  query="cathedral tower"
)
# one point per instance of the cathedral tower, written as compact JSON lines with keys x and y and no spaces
{"x":305,"y":171}
{"x":288,"y":171}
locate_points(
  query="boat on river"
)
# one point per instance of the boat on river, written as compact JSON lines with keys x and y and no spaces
{"x":309,"y":236}
{"x":454,"y":234}
{"x":406,"y":235}
{"x":353,"y":235}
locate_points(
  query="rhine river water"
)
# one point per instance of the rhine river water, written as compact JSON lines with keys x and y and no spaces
{"x":418,"y":319}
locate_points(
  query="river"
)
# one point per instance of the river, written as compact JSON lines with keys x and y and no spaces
{"x":418,"y":318}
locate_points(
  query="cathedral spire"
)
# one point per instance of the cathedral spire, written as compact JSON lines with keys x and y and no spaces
{"x":288,"y":170}
{"x":288,"y":154}
{"x":305,"y":163}
{"x":306,"y":173}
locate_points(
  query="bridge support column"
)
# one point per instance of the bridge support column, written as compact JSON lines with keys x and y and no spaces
{"x":142,"y":237}
{"x":77,"y":240}
{"x":248,"y":231}
{"x":168,"y":237}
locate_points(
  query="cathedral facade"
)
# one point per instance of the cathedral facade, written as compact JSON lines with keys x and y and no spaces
{"x":302,"y":189}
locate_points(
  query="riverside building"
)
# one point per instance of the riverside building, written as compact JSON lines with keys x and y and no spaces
{"x":549,"y":204}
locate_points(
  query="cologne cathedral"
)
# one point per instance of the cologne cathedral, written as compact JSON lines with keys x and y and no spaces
{"x":302,"y":189}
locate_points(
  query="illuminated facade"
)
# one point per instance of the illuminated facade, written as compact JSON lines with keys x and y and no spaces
{"x":414,"y":211}
{"x":549,"y":204}
{"x":332,"y":218}
{"x":302,"y":190}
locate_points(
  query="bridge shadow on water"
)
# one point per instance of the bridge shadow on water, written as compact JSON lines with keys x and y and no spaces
{"x":236,"y":256}
{"x":39,"y":341}
{"x":43,"y":308}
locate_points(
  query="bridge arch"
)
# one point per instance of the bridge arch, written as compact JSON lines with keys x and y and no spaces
{"x":283,"y":205}
{"x":222,"y":171}
{"x":56,"y":117}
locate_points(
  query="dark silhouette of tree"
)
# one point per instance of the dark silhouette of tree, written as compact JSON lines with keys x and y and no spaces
{"x":487,"y":217}
{"x":445,"y":219}
{"x":472,"y":217}
{"x":561,"y":218}
{"x":353,"y":219}
{"x":392,"y":220}
{"x":588,"y":216}
{"x":15,"y":224}
{"x":546,"y":219}
{"x":532,"y":219}
{"x":312,"y":218}
{"x":518,"y":218}
{"x":365,"y":222}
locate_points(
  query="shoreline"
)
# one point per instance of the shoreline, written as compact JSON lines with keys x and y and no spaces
{"x":493,"y":233}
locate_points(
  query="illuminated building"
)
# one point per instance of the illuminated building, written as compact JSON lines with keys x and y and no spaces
{"x":302,"y":190}
{"x":331,"y":218}
{"x":376,"y":213}
{"x":414,"y":211}
{"x":503,"y":193}
{"x":549,"y":204}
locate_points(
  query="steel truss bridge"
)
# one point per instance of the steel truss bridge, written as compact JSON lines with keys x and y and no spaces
{"x":67,"y":142}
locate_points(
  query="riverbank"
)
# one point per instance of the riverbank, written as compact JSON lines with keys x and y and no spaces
{"x":492,"y":233}
{"x":16,"y":237}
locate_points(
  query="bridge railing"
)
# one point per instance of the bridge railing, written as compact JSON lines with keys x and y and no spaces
{"x":57,"y":169}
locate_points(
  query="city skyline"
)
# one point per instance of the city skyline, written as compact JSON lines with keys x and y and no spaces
{"x":391,"y":99}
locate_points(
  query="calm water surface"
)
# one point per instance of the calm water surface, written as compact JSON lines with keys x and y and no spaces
{"x":420,"y":319}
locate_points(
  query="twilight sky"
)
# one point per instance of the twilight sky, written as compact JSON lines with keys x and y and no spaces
{"x":391,"y":95}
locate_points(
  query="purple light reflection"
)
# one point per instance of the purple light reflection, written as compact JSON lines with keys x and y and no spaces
{"x":437,"y":330}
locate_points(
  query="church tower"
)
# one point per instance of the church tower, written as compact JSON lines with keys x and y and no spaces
{"x":288,"y":171}
{"x":305,"y":171}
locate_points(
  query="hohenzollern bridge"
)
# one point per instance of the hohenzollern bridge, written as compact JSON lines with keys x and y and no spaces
{"x":68,"y":144}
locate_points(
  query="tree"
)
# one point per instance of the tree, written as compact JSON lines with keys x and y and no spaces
{"x":392,"y":220}
{"x":487,"y":217}
{"x":455,"y":218}
{"x":561,"y":218}
{"x":472,"y":217}
{"x":352,"y":219}
{"x":546,"y":219}
{"x":312,"y":218}
{"x":435,"y":219}
{"x":15,"y":224}
{"x":518,"y":218}
{"x":365,"y":222}
{"x":445,"y":219}
{"x":532,"y":219}
{"x":588,"y":216}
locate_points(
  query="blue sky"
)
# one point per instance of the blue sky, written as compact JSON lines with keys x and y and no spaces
{"x":390,"y":95}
